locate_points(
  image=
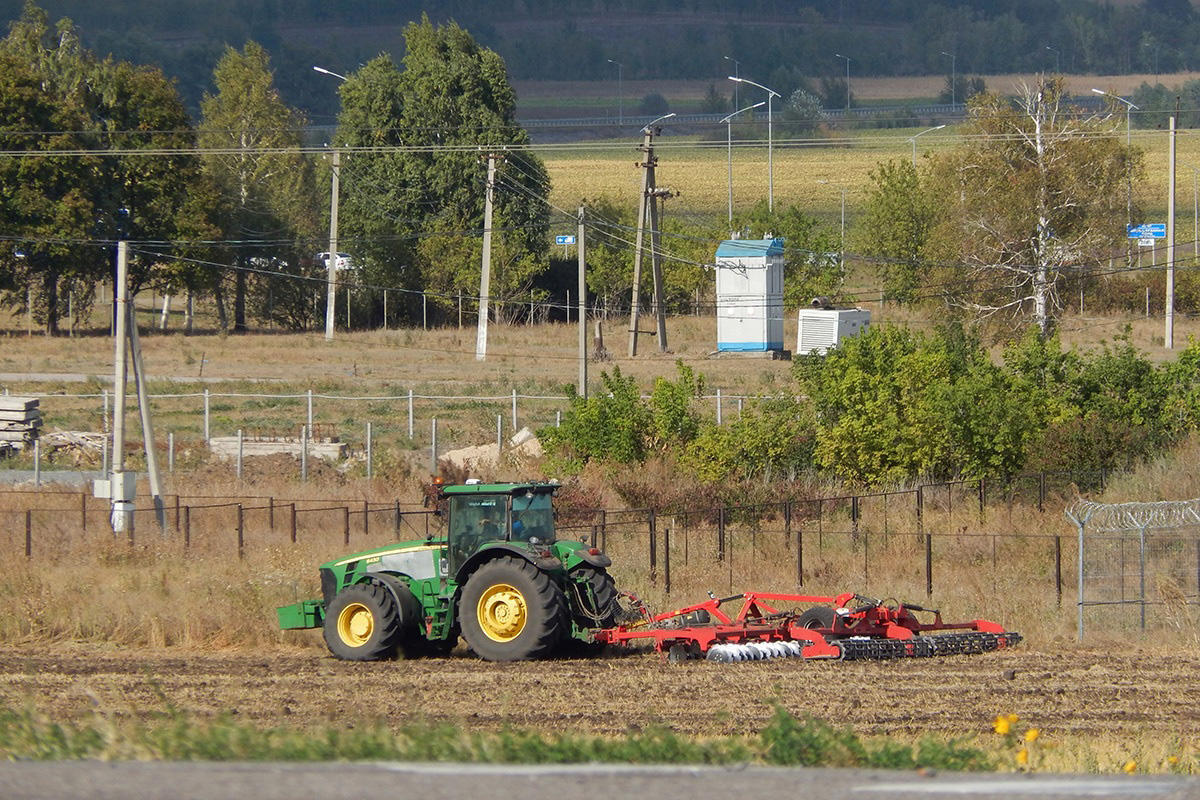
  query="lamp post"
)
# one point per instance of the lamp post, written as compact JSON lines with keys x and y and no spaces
{"x":1129,"y":109}
{"x":913,"y":140}
{"x":729,"y":147}
{"x":953,"y":77}
{"x":839,"y":55}
{"x":1057,"y":67}
{"x":620,"y":91}
{"x":770,"y":140}
{"x":736,"y":102}
{"x":331,"y":264}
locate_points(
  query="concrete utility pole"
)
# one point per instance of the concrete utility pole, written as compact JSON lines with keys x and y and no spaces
{"x":139,"y":382}
{"x":122,"y":500}
{"x":660,"y":309}
{"x":583,"y":368}
{"x":485,"y":276}
{"x":647,"y":164}
{"x":1169,"y":334}
{"x":331,"y":280}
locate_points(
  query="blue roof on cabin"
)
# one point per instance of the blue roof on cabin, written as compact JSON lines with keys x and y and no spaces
{"x":749,"y":248}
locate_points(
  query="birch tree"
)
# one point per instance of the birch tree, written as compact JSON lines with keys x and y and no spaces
{"x":1036,"y":194}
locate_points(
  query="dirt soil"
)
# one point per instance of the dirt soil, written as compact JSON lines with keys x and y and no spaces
{"x":1134,"y":692}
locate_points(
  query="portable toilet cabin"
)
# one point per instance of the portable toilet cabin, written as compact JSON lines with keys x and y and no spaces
{"x":750,"y":295}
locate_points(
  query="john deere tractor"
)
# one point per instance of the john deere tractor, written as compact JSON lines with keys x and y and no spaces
{"x":495,"y":573}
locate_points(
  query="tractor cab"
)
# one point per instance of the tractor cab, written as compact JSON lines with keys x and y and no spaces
{"x":482,"y":514}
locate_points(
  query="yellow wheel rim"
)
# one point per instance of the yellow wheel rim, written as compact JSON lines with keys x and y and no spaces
{"x":502,"y":612}
{"x":355,"y":624}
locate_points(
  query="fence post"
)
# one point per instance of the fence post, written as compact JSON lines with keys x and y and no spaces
{"x":346,"y":524}
{"x":410,"y":413}
{"x":187,"y":528}
{"x":982,"y":497}
{"x":396,"y":521}
{"x":433,"y":448}
{"x":271,"y":513}
{"x":241,"y":533}
{"x":514,"y":409}
{"x":370,"y":471}
{"x":366,"y":518}
{"x":718,"y":406}
{"x":1058,"y":569}
{"x":1042,"y":491}
{"x":176,"y":512}
{"x":652,"y":522}
{"x":292,"y":521}
{"x":239,"y":455}
{"x":787,"y":523}
{"x":604,"y":529}
{"x":929,"y":565}
{"x":207,"y":430}
{"x":310,"y":409}
{"x":303,"y":452}
{"x":132,"y":517}
{"x":28,"y":533}
{"x":171,"y":452}
{"x":83,"y":512}
{"x":499,"y":437}
{"x":799,"y":555}
{"x":721,"y":532}
{"x":920,"y":499}
{"x":37,"y":462}
{"x":667,"y":560}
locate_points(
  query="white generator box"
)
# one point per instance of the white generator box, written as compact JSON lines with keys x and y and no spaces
{"x":819,"y":329}
{"x":750,"y":295}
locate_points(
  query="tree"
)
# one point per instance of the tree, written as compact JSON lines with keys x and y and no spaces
{"x":896,"y":227}
{"x":61,"y":205}
{"x":802,"y":113}
{"x":419,"y":210}
{"x":1036,"y":190}
{"x":253,"y":143}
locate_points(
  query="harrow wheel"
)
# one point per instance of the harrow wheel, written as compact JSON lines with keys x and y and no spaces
{"x":362,"y":623}
{"x":511,"y":611}
{"x":816,"y":618}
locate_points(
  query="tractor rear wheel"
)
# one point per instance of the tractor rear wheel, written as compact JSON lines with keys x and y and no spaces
{"x":599,"y":589}
{"x":814,"y":618}
{"x":511,"y":611}
{"x":362,"y":623}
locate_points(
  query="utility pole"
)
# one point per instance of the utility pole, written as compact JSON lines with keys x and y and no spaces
{"x":331,"y":280}
{"x":583,"y":369}
{"x":660,"y":309}
{"x":1169,"y":334}
{"x":648,"y":163}
{"x":122,"y":498}
{"x":485,"y":276}
{"x":139,"y":381}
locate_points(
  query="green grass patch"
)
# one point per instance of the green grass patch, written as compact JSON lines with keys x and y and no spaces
{"x":27,"y":734}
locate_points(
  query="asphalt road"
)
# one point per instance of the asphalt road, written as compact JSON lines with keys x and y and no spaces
{"x":273,"y":781}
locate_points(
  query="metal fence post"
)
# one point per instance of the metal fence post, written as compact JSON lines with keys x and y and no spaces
{"x":667,"y":560}
{"x":433,"y":447}
{"x":396,"y":520}
{"x":370,"y":471}
{"x":83,"y":512}
{"x":241,"y":532}
{"x":28,"y":533}
{"x":207,"y":430}
{"x":514,"y":409}
{"x":410,"y":413}
{"x":800,"y":555}
{"x":929,"y":565}
{"x":303,"y":452}
{"x":346,"y":525}
{"x":187,"y":528}
{"x":292,"y":522}
{"x":721,"y":532}
{"x":652,"y":523}
{"x":310,"y":409}
{"x":366,"y":518}
{"x":37,"y":462}
{"x":239,"y":454}
{"x":171,"y":452}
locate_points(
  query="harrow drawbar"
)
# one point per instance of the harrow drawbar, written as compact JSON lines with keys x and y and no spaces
{"x":766,"y":626}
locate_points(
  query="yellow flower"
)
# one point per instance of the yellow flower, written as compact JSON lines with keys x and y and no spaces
{"x":1130,"y":766}
{"x":1023,"y":756}
{"x":1172,"y":760}
{"x":1013,"y":719}
{"x":1002,"y":725}
{"x":1031,"y":735}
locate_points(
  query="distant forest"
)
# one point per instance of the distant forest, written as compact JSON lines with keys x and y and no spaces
{"x":652,"y":39}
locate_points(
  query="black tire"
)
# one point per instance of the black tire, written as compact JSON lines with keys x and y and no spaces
{"x":511,"y":611}
{"x":814,"y":618}
{"x":598,"y":587}
{"x":362,"y":623}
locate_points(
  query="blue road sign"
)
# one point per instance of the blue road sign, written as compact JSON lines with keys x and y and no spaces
{"x":571,"y":239}
{"x":1147,"y":230}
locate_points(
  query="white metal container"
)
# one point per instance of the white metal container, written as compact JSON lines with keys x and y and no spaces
{"x":819,"y":329}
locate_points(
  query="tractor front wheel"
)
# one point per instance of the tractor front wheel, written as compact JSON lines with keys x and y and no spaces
{"x":511,"y":611}
{"x":362,"y":623}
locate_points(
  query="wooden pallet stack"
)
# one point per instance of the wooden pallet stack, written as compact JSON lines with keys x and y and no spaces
{"x":20,"y":421}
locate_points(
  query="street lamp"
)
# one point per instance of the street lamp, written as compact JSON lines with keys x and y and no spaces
{"x":953,"y":76}
{"x":770,"y":140}
{"x":620,"y":91}
{"x":1129,"y":109}
{"x":331,"y":266}
{"x":736,"y":63}
{"x":1057,"y":67}
{"x":913,"y":139}
{"x":729,"y":147}
{"x":839,"y":55}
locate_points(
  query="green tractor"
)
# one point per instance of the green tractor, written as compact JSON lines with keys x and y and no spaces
{"x":495,"y":574}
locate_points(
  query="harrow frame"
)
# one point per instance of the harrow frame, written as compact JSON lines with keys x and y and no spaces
{"x":869,"y":630}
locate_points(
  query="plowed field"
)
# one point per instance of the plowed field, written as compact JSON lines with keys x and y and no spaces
{"x":1072,"y":691}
